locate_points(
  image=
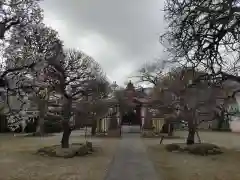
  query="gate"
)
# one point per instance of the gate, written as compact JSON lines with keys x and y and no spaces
{"x":131,"y":129}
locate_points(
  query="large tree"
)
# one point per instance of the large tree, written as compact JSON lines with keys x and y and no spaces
{"x":177,"y":92}
{"x":16,"y":18}
{"x":19,"y":20}
{"x":73,"y":75}
{"x":28,"y":59}
{"x":205,"y":34}
{"x":18,"y":14}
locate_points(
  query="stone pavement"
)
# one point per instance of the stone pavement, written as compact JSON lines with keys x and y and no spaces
{"x":131,"y":161}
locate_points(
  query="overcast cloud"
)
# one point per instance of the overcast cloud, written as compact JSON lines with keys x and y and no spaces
{"x":119,"y":34}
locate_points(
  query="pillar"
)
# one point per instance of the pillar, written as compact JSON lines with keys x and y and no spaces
{"x":118,"y":114}
{"x":143,"y":114}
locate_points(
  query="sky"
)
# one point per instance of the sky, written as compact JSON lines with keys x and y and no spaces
{"x":121,"y":35}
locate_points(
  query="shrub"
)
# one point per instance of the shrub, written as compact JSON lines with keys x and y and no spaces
{"x":30,"y":127}
{"x":52,"y":127}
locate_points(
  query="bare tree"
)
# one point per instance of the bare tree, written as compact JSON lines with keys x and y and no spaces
{"x":205,"y":34}
{"x":95,"y":107}
{"x":90,"y":112}
{"x":34,"y":47}
{"x":72,"y":74}
{"x":191,"y":101}
{"x":151,"y":72}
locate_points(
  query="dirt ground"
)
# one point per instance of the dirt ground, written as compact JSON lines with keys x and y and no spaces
{"x":18,"y":160}
{"x":182,"y":166}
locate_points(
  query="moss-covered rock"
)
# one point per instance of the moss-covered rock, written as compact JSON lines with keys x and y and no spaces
{"x":65,"y":152}
{"x":89,"y":145}
{"x":82,"y":151}
{"x":48,"y":151}
{"x":197,"y":149}
{"x":172,"y":147}
{"x":76,"y":149}
{"x":203,"y":149}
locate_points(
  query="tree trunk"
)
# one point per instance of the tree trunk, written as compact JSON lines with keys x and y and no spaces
{"x":40,"y":126}
{"x":220,"y":121}
{"x":67,"y":107}
{"x":94,"y":126}
{"x":167,"y":128}
{"x":170,"y":129}
{"x":66,"y":134}
{"x":190,"y":117}
{"x":191,"y":135}
{"x":42,"y":105}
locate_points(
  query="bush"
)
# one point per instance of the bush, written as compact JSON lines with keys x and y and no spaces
{"x":30,"y":127}
{"x":81,"y":149}
{"x":52,"y":127}
{"x":4,"y":124}
{"x":52,"y":124}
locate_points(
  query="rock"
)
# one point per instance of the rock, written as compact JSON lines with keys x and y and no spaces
{"x":172,"y":147}
{"x":49,"y":151}
{"x":82,"y":151}
{"x":77,"y":144}
{"x":203,"y":149}
{"x":197,"y":149}
{"x":76,"y":149}
{"x":215,"y":151}
{"x":89,"y":145}
{"x":65,"y":152}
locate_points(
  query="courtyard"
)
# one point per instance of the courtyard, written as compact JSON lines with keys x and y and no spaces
{"x":18,"y":159}
{"x":130,"y":157}
{"x":180,"y":166}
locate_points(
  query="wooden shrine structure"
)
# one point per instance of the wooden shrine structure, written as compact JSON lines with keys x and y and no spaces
{"x":147,"y":115}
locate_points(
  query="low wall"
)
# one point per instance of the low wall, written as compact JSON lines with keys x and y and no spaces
{"x":235,"y":126}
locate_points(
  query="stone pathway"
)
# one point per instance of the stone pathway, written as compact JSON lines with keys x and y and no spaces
{"x":131,"y":161}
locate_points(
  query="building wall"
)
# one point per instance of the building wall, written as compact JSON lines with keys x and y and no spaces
{"x":235,"y":120}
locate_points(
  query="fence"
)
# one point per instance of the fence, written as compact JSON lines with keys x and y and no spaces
{"x":103,"y":124}
{"x":157,"y":124}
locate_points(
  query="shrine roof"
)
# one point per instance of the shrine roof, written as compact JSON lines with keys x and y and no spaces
{"x":142,"y":100}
